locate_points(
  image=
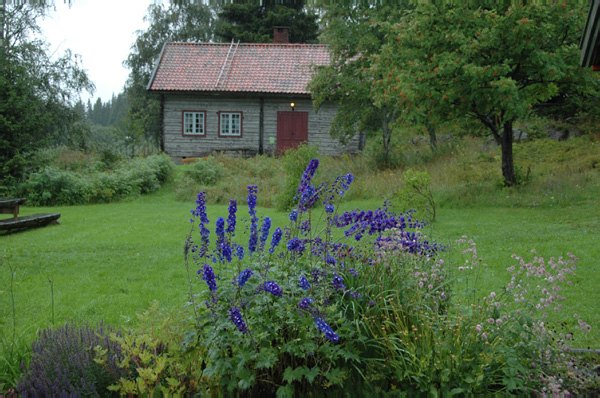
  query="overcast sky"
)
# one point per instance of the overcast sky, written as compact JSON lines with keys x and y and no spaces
{"x":101,"y":32}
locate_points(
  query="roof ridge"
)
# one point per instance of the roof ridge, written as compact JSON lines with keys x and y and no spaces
{"x":249,"y":44}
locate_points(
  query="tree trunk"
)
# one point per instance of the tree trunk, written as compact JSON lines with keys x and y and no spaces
{"x":385,"y":130}
{"x":432,"y":137}
{"x":508,"y":169}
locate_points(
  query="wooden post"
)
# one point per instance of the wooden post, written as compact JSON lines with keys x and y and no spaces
{"x":261,"y":126}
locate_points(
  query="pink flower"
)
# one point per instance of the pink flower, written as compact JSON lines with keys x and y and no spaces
{"x":478,"y":328}
{"x":484,"y":336}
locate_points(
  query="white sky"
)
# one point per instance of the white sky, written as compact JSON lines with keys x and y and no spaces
{"x":101,"y":32}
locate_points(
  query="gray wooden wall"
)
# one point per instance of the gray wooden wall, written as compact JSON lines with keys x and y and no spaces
{"x":179,"y":146}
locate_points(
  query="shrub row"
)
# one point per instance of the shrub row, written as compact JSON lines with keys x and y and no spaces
{"x":52,"y":186}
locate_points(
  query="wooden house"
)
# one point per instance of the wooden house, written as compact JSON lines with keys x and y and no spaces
{"x":241,"y":98}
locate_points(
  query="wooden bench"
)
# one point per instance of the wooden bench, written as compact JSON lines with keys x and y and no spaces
{"x":11,"y":206}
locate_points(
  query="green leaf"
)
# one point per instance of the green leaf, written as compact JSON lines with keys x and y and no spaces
{"x":291,"y":375}
{"x":286,"y":391}
{"x":246,"y":379}
{"x":266,"y":359}
{"x":311,"y":374}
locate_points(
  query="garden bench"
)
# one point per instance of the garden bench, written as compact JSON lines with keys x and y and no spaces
{"x":11,"y":206}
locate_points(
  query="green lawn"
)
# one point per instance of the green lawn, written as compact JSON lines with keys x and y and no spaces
{"x":113,"y":260}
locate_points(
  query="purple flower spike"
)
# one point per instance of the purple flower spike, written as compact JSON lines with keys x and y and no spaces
{"x":296,"y":245}
{"x":231,"y":219}
{"x":244,"y":276}
{"x":238,"y":321}
{"x":304,"y":284}
{"x":276,"y":239}
{"x":252,"y":189}
{"x":209,"y":277}
{"x":239,"y":252}
{"x":325,"y":328}
{"x":338,"y":282}
{"x":305,"y":303}
{"x":273,"y":288}
{"x":265,"y":232}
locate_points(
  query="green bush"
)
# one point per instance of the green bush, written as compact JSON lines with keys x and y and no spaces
{"x":416,"y":194}
{"x":53,"y":186}
{"x":294,"y":162}
{"x":206,"y":172}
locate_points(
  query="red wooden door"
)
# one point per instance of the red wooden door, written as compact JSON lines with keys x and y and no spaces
{"x":292,"y":129}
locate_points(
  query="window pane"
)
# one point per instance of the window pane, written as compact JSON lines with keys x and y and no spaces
{"x":187,"y":122}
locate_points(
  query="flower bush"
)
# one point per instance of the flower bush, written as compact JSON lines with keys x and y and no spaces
{"x":62,"y":362}
{"x":362,"y":300}
{"x":273,"y":314}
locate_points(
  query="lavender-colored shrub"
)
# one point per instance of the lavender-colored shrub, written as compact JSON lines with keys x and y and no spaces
{"x":62,"y":362}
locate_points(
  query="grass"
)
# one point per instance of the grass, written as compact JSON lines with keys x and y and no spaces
{"x":111,"y":261}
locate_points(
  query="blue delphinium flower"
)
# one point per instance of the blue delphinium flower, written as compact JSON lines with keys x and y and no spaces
{"x":330,"y":260}
{"x":305,"y":303}
{"x":304,"y":284}
{"x":244,"y":276}
{"x":307,"y":177}
{"x":296,"y":245}
{"x":264,"y":235}
{"x":349,"y":179}
{"x":209,"y":277}
{"x":294,"y":215}
{"x":329,"y":208}
{"x":231,"y":218}
{"x":252,"y":189}
{"x":226,"y":251}
{"x":325,"y":328}
{"x":275,"y":240}
{"x":200,"y":210}
{"x":239,"y":252}
{"x":338,"y":282}
{"x":238,"y":321}
{"x":220,"y":229}
{"x":273,"y":288}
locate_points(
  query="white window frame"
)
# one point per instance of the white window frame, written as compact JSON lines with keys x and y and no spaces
{"x":194,"y":123}
{"x":226,"y":123}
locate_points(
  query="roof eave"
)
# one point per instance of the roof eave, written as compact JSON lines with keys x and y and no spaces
{"x":160,"y":56}
{"x":234,"y":93}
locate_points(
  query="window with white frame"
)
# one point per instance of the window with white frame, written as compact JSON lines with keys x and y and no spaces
{"x":230,"y":124}
{"x":194,"y":122}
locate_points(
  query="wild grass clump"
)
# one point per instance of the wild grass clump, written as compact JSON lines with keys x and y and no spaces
{"x":225,"y":177}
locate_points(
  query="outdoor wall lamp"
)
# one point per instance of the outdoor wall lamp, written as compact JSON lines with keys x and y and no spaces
{"x":292,"y":105}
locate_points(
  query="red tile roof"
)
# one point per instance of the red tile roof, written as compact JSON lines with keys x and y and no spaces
{"x":264,"y":68}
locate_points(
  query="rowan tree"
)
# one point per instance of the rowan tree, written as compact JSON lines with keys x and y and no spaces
{"x":492,"y":64}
